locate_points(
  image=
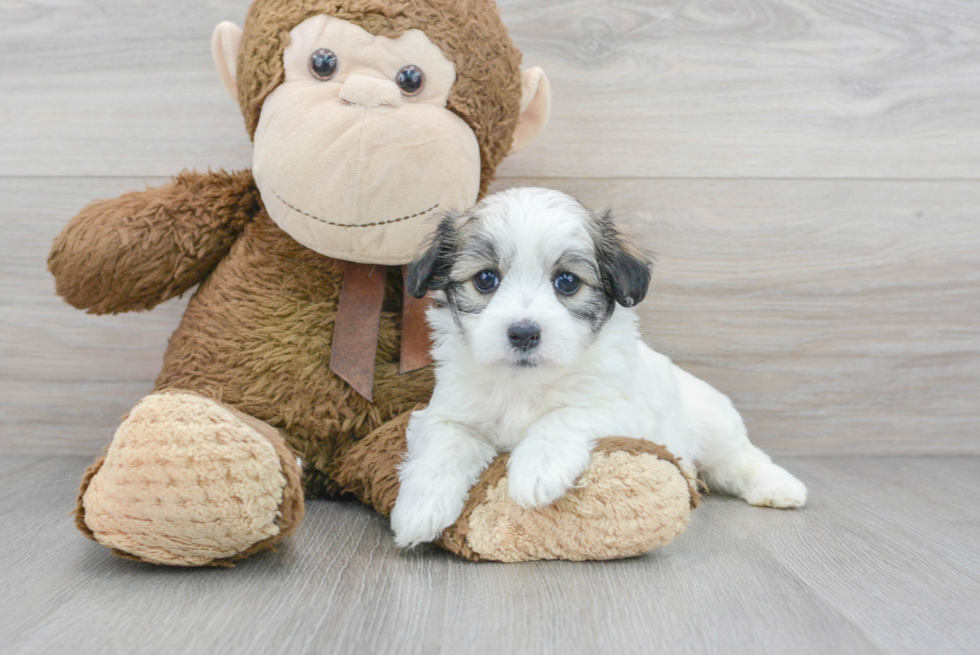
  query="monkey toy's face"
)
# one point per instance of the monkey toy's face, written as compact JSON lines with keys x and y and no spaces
{"x":356,"y":150}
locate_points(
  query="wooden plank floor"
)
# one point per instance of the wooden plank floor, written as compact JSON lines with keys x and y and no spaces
{"x":884,"y":560}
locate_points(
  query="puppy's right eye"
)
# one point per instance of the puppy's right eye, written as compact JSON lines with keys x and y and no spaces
{"x":486,"y":281}
{"x":567,"y":283}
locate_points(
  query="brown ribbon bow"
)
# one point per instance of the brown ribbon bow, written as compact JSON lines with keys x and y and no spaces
{"x":355,"y":334}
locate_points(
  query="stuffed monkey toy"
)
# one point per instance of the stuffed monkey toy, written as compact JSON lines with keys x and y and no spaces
{"x":368,"y":118}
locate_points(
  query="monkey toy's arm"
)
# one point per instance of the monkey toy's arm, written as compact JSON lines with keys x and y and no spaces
{"x":135,"y":251}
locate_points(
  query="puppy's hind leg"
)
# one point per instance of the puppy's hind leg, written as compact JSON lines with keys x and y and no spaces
{"x":728,"y":461}
{"x":750,"y":474}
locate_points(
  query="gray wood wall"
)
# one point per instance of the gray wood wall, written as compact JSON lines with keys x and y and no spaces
{"x":807,"y":172}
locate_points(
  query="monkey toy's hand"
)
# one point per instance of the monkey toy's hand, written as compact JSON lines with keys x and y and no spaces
{"x":137,"y":250}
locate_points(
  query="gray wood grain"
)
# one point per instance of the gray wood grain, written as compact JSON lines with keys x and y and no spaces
{"x":841,"y":316}
{"x":720,"y":88}
{"x":883,"y":560}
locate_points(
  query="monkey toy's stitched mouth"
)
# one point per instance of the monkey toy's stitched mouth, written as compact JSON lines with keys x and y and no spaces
{"x":374,"y":224}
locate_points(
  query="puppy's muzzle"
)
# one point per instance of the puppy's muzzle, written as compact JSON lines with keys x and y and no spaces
{"x":524,"y":336}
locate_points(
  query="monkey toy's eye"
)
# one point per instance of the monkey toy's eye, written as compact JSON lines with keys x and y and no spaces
{"x":410,"y":80}
{"x":323,"y":64}
{"x":567,"y":283}
{"x":486,"y":281}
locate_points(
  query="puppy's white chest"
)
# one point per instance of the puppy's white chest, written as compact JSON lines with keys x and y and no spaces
{"x":502,"y":415}
{"x":510,"y":425}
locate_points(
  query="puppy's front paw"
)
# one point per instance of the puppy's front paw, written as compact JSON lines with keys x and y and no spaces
{"x":535,"y":482}
{"x":418,"y":518}
{"x":774,"y":486}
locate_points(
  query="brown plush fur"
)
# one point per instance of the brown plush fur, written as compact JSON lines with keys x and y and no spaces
{"x":638,"y":447}
{"x":370,"y":469}
{"x":487,"y":92}
{"x":257,"y":336}
{"x":135,"y":251}
{"x":292,"y":509}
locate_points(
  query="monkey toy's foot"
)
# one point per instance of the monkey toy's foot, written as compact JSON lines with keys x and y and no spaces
{"x":633,"y":498}
{"x":188,"y":481}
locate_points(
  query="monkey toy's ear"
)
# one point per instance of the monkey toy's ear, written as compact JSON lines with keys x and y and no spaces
{"x":224,"y":49}
{"x":535,"y":108}
{"x":431,"y":269}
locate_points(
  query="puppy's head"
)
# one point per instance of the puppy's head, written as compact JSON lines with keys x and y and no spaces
{"x":528,"y":277}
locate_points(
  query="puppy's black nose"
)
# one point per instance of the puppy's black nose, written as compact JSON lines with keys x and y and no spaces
{"x":524,"y":335}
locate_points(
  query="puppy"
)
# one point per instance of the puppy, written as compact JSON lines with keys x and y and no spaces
{"x":538,"y":352}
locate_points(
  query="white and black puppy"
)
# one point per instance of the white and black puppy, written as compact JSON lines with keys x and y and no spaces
{"x":538,"y":352}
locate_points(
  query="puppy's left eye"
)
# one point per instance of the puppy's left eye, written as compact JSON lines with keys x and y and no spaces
{"x":567,"y":283}
{"x":486,"y":281}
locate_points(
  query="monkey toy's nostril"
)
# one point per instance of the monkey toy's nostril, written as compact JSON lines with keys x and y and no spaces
{"x":524,"y":335}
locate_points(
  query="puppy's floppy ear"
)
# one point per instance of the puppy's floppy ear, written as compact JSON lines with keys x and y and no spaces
{"x":430,"y":270}
{"x":625,"y":267}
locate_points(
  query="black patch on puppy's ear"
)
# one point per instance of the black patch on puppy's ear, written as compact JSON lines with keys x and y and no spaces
{"x":625,"y":268}
{"x":430,"y":270}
